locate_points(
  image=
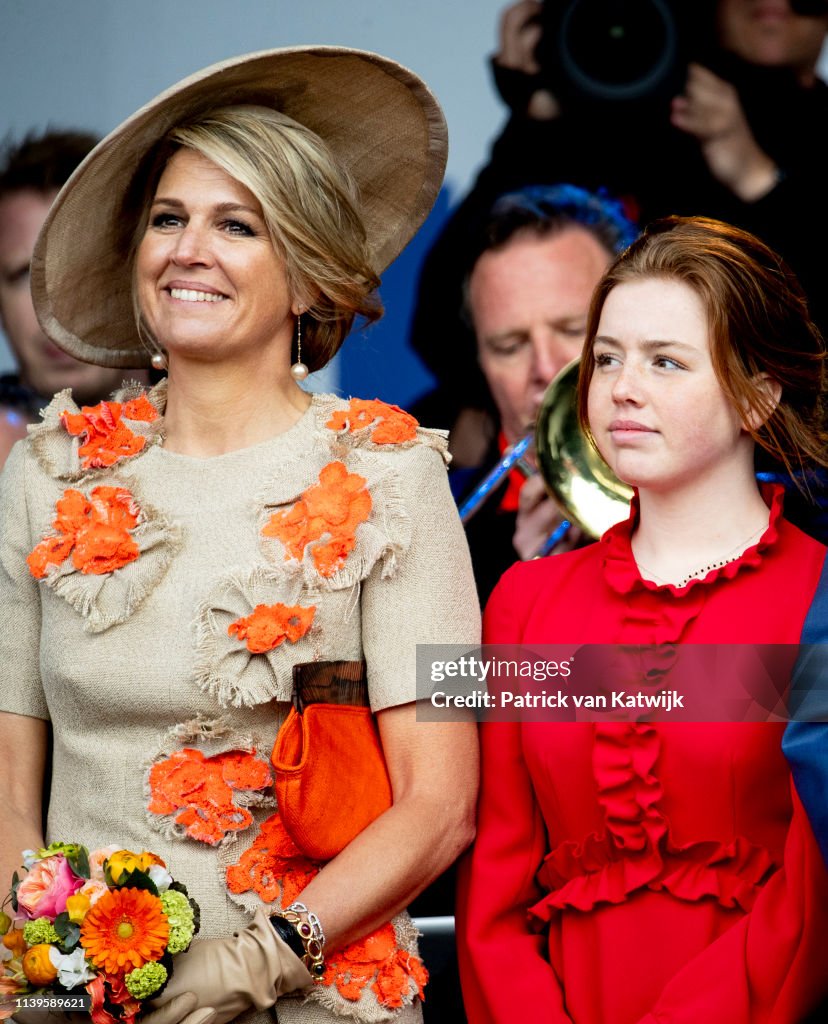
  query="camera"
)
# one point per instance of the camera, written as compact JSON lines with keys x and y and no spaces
{"x":631,"y":51}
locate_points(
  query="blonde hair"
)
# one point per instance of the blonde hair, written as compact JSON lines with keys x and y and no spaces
{"x":311,"y":208}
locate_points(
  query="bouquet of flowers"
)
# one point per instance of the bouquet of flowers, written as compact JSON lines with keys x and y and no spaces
{"x":103,"y":925}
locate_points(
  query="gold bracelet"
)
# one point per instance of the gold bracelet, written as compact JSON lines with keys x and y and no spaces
{"x":309,"y":927}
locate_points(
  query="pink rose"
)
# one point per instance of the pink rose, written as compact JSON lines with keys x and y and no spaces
{"x":46,"y":888}
{"x":94,"y":890}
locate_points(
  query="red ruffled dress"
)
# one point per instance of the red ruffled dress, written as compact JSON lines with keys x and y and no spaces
{"x":645,"y":873}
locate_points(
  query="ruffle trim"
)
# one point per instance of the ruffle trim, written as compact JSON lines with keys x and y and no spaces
{"x":57,"y":451}
{"x":581,"y":876}
{"x":637,"y":851}
{"x":351,"y":434}
{"x":621,"y":571}
{"x":110,"y":598}
{"x":383,"y":537}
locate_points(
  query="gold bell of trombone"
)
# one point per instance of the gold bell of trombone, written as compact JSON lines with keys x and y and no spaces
{"x":579,"y":481}
{"x":577,"y":478}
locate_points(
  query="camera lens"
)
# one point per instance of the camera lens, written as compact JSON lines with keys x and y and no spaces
{"x":623,"y":49}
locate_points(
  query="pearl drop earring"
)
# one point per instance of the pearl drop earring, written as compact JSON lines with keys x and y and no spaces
{"x":299,"y":371}
{"x":158,"y":360}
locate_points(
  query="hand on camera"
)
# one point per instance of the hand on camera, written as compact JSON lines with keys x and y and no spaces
{"x":520,"y":32}
{"x":710,"y":109}
{"x":537,"y":517}
{"x":228,"y":976}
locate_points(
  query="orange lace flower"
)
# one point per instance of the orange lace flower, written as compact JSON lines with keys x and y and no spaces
{"x":331,"y":508}
{"x":271,"y":866}
{"x":125,"y":929}
{"x":269,"y":625}
{"x":395,"y":424}
{"x":94,"y":530}
{"x":199,"y":791}
{"x":274,"y":866}
{"x":107,"y":438}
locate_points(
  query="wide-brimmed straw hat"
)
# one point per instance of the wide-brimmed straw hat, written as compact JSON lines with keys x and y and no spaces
{"x":377,"y":117}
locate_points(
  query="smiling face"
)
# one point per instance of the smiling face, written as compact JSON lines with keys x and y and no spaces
{"x":529,"y":303}
{"x":656,"y":409}
{"x":44,"y":367}
{"x":210,"y":285}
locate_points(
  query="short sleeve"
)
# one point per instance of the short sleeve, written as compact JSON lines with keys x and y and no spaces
{"x":22,"y":690}
{"x":430,"y":597}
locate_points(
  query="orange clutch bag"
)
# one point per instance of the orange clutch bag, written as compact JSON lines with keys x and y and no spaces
{"x":330,"y":775}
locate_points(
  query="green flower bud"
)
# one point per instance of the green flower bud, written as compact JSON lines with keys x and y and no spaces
{"x":144,"y":981}
{"x":40,"y":930}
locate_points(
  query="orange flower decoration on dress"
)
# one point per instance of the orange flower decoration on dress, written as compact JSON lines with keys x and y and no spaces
{"x":271,"y":866}
{"x":394,"y":427}
{"x":94,"y":530}
{"x":107,"y":438}
{"x":376,"y":959}
{"x":332,"y":508}
{"x":199,"y":791}
{"x":269,"y":625}
{"x":125,"y":929}
{"x":274,"y":867}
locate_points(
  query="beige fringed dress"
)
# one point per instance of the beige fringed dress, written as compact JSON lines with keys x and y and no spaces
{"x":163,"y":717}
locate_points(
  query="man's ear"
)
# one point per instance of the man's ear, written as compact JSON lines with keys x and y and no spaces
{"x":755,"y":416}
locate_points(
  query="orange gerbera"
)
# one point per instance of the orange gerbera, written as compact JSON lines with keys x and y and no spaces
{"x":125,"y":929}
{"x":269,"y":625}
{"x":331,"y":508}
{"x":393,"y":424}
{"x":94,"y":530}
{"x":107,"y":438}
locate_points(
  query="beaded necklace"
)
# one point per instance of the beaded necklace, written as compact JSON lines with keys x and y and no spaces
{"x":702,"y":571}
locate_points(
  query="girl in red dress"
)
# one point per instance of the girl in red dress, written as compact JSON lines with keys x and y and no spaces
{"x":653,"y":873}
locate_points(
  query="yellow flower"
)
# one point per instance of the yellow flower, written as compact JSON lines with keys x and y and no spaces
{"x":77,"y":907}
{"x":147,"y":860}
{"x":38,"y":966}
{"x":122,"y":862}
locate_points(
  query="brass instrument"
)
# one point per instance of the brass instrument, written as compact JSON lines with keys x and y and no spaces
{"x":576,"y":477}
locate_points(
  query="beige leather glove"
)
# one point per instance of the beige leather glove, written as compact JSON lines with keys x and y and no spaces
{"x":251,"y":969}
{"x":181,"y":1010}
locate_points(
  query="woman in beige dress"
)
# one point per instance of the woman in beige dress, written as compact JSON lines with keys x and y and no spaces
{"x":167,"y":558}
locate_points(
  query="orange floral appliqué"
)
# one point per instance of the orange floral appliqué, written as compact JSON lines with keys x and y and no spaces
{"x":269,"y":625}
{"x":394,"y":427}
{"x":274,"y":867}
{"x":107,"y":438}
{"x":331,"y":508}
{"x":199,"y":791}
{"x":94,"y":530}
